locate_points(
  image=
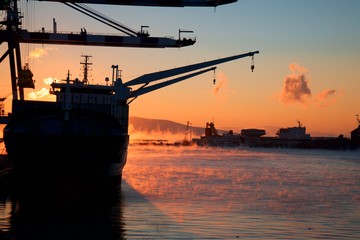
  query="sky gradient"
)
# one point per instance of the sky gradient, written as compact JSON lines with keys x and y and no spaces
{"x":307,"y":69}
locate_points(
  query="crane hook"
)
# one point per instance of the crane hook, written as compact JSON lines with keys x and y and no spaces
{"x":214,"y":81}
{"x":252,"y":64}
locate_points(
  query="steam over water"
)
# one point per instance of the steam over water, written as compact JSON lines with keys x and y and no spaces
{"x":212,"y":193}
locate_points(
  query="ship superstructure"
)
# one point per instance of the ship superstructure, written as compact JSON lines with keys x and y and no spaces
{"x":83,"y":135}
{"x":298,"y":132}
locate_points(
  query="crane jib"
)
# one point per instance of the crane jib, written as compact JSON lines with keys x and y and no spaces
{"x":154,"y":3}
{"x":176,"y":71}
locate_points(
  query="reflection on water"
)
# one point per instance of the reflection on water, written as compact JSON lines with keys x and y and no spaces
{"x":200,"y":193}
{"x":48,"y":213}
{"x":249,"y":193}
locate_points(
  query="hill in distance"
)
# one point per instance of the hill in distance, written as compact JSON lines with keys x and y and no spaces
{"x":145,"y":125}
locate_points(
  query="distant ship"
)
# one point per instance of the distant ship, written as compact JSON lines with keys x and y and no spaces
{"x":298,"y":132}
{"x":291,"y":137}
{"x":213,"y":138}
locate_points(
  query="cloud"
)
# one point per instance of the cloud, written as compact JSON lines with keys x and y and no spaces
{"x":44,"y":93}
{"x":38,"y":94}
{"x":38,"y":52}
{"x":49,"y":80}
{"x":296,"y":86}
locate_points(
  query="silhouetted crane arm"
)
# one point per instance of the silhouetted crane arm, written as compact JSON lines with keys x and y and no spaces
{"x":147,"y":78}
{"x":154,"y":3}
{"x":144,"y":90}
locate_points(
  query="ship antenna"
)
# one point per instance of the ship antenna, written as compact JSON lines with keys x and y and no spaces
{"x":86,"y":68}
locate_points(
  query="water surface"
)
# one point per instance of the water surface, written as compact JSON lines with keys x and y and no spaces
{"x":202,"y":193}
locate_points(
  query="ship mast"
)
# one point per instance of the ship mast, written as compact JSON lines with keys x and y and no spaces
{"x":86,"y":68}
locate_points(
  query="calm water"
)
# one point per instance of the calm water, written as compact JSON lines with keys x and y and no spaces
{"x":202,"y":193}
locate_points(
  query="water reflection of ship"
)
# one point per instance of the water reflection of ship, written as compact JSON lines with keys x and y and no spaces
{"x":291,"y":137}
{"x":83,"y":136}
{"x":57,"y":213}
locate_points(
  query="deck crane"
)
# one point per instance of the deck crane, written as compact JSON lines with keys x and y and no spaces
{"x":192,"y":70}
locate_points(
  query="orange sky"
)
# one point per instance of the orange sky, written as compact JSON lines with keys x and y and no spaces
{"x":307,"y":69}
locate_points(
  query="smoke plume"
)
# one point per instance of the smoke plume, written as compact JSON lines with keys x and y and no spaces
{"x":296,"y":86}
{"x":167,"y":136}
{"x":220,"y":88}
{"x":327,"y":97}
{"x":326,"y":94}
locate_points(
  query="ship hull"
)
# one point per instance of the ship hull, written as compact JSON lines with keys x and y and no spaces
{"x":89,"y":148}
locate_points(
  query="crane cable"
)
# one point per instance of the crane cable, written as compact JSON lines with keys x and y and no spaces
{"x":101,"y":18}
{"x":29,"y":24}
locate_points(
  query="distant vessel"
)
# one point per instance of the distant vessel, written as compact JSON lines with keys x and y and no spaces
{"x":213,"y":138}
{"x":355,"y":134}
{"x":298,"y":132}
{"x":291,"y":137}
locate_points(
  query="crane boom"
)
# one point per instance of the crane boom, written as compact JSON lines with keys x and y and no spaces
{"x":150,"y":77}
{"x":154,"y":3}
{"x":144,"y":90}
{"x":128,"y":93}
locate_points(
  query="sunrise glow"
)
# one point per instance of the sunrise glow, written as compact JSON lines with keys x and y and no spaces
{"x":306,"y":70}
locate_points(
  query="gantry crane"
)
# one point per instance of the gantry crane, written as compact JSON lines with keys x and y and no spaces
{"x":21,"y":77}
{"x":13,"y":35}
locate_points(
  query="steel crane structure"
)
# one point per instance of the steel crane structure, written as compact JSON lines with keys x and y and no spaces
{"x":14,"y":35}
{"x":21,"y":77}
